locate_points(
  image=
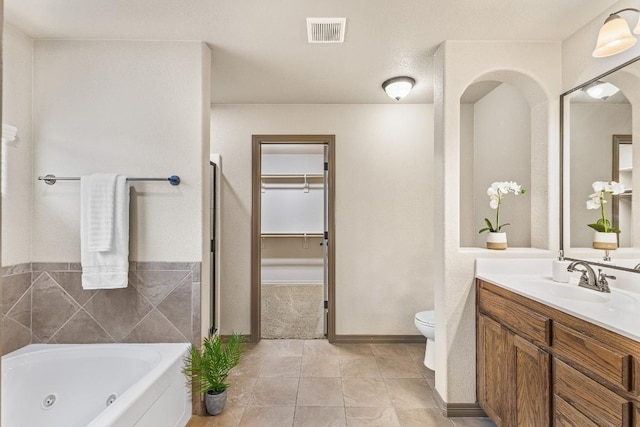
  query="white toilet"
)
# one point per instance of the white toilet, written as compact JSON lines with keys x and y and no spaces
{"x":426,"y":323}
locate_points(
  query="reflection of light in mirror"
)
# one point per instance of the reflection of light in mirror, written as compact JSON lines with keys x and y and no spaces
{"x":601,"y":90}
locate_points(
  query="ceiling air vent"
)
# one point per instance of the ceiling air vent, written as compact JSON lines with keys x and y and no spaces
{"x":326,"y":30}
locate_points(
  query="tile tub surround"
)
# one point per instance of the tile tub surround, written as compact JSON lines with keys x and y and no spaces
{"x":292,"y":311}
{"x":281,"y":383}
{"x":45,"y":303}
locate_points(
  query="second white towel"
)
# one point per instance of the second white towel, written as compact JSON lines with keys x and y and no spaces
{"x":104,"y":231}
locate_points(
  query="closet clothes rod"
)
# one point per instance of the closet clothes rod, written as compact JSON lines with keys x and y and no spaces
{"x":51,"y":179}
{"x":300,"y":175}
{"x":292,"y":235}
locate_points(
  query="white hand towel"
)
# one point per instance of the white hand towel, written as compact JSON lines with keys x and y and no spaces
{"x":98,"y":195}
{"x":106,"y":268}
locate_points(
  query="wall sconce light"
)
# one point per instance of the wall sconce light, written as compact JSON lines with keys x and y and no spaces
{"x":615,"y":35}
{"x":398,"y":87}
{"x":601,"y":90}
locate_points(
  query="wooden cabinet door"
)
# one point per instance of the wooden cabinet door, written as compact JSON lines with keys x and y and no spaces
{"x":494,"y":354}
{"x":590,"y":398}
{"x":532,"y":376}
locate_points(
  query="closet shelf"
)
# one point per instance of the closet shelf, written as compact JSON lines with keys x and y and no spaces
{"x":291,"y":235}
{"x":293,"y":176}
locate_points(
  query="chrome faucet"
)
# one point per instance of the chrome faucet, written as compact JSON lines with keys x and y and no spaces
{"x":588,"y":277}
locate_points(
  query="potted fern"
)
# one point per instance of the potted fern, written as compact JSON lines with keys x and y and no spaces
{"x":207,"y":369}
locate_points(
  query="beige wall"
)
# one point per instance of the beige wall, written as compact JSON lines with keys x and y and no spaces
{"x":383,"y":208}
{"x":134,"y":108}
{"x":17,"y":99}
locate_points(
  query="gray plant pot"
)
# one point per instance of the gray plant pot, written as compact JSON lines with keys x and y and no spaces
{"x":215,"y":402}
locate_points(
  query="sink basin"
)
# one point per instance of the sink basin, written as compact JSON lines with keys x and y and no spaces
{"x":577,"y":293}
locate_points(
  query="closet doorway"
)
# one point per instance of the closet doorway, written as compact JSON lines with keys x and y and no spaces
{"x":293,"y":239}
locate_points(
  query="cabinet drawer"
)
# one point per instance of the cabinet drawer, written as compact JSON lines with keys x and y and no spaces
{"x":518,"y":318}
{"x":566,"y":415}
{"x":593,"y":400}
{"x":593,"y":356}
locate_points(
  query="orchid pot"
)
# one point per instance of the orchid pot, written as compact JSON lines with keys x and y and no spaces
{"x":606,"y":235}
{"x":497,"y":240}
{"x":605,"y":241}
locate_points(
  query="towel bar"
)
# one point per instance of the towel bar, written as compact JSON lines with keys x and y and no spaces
{"x":51,"y":179}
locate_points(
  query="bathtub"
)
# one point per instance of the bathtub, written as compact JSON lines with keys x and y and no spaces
{"x":95,"y":385}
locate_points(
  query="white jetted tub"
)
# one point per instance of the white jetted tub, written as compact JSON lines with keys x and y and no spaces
{"x":95,"y":385}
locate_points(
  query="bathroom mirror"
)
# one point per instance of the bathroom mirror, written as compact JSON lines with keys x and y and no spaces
{"x":598,"y":119}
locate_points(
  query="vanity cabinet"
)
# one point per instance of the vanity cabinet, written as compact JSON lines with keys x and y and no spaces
{"x":513,"y":374}
{"x":538,"y":366}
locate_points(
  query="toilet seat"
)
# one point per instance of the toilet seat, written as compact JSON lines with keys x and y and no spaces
{"x":426,"y":318}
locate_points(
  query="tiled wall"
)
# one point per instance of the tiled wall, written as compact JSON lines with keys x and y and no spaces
{"x":45,"y":303}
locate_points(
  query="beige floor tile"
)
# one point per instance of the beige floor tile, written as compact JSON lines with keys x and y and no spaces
{"x":359,"y":367}
{"x":285,"y":366}
{"x":347,"y":351}
{"x":278,"y":348}
{"x":389,"y":350}
{"x":274,"y":392}
{"x":432,"y":383}
{"x":320,"y":348}
{"x":319,"y":416}
{"x":473,"y":422}
{"x":416,"y":351}
{"x":321,"y":366}
{"x":365,"y":392}
{"x":266,"y":417}
{"x":426,"y":372}
{"x":230,"y":417}
{"x":410,"y":393}
{"x":240,"y":390}
{"x":248,"y":367}
{"x":320,"y":392}
{"x":422,"y":418}
{"x":398,"y":367}
{"x":372,"y":417}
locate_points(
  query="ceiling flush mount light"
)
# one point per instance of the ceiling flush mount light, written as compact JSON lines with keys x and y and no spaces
{"x":398,"y":87}
{"x":601,"y":90}
{"x":615,"y":36}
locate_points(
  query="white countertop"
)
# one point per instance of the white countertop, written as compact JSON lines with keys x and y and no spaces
{"x":618,"y":311}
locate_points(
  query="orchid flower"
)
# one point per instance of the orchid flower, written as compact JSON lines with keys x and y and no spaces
{"x":496,"y":192}
{"x":597,"y":201}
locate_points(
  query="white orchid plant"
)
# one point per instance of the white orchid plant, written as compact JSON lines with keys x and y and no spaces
{"x":496,"y":192}
{"x":597,"y":201}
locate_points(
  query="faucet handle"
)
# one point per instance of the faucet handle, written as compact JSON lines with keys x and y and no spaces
{"x":602,"y":281}
{"x":603,"y":276}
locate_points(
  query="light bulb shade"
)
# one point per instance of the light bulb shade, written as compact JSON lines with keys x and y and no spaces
{"x":636,"y":30}
{"x":398,"y":87}
{"x":601,"y":90}
{"x":614,"y":37}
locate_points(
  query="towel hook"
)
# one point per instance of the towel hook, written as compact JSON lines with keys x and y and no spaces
{"x":306,"y":184}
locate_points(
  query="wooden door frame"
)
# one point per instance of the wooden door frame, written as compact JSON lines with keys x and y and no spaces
{"x":256,"y":251}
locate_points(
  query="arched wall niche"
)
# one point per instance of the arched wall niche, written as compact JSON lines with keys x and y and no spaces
{"x":457,"y":64}
{"x":503,"y":137}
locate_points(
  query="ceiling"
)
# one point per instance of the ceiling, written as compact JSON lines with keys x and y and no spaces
{"x":260,"y":50}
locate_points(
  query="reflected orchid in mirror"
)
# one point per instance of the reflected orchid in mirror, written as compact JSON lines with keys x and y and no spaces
{"x":597,"y":201}
{"x":496,"y":192}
